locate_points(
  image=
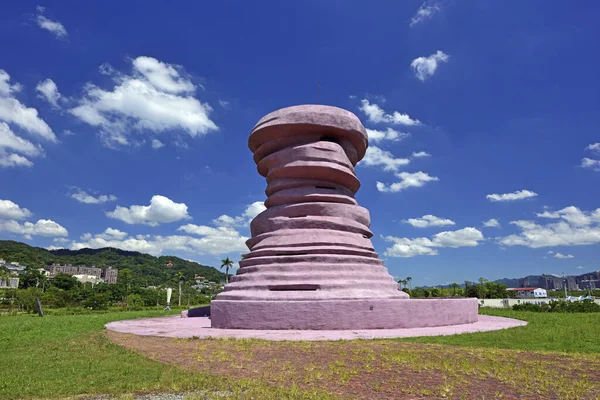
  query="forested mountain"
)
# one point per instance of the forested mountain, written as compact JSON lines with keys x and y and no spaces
{"x":145,"y":269}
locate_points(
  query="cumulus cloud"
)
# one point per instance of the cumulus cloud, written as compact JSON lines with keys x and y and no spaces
{"x":248,"y":215}
{"x":563,"y":256}
{"x":43,"y":227}
{"x":593,"y":147}
{"x":376,"y":114}
{"x":574,"y":228}
{"x":427,"y":10}
{"x":388,"y":134}
{"x":156,"y":97}
{"x":54,"y":27}
{"x":491,"y":223}
{"x":198,"y":239}
{"x":590,"y":163}
{"x":11,"y":210}
{"x":12,"y":111}
{"x":518,"y":195}
{"x":161,"y":210}
{"x":406,"y":247}
{"x":573,"y":215}
{"x":157,"y":144}
{"x":10,"y":142}
{"x":427,"y":221}
{"x":407,"y":180}
{"x":48,"y":91}
{"x":84,"y":197}
{"x":420,"y":154}
{"x":375,"y":157}
{"x":425,"y":67}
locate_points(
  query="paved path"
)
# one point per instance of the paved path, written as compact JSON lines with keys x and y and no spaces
{"x":177,"y":327}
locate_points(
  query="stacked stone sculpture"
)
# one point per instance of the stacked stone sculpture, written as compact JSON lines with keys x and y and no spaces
{"x":311,"y":263}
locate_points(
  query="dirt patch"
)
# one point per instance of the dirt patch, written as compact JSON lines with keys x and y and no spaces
{"x":383,"y":369}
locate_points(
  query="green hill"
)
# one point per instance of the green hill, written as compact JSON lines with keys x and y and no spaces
{"x":145,"y":269}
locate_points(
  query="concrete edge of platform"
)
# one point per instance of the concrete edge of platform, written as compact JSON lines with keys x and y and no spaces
{"x":176,"y":327}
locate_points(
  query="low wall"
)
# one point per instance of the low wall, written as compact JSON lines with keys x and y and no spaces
{"x":508,"y":303}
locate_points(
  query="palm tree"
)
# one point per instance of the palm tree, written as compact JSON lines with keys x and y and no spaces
{"x":179,"y":276}
{"x":227,"y":263}
{"x":408,"y":280}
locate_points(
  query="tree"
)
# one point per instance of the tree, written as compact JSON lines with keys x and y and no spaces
{"x":408,"y":280}
{"x":180,"y":277}
{"x":227,"y":263}
{"x":454,"y":286}
{"x":64,"y":281}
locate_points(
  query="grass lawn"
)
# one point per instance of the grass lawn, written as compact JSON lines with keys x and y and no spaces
{"x":555,"y":356}
{"x":557,"y":332}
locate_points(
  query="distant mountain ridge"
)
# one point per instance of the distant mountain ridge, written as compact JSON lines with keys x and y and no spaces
{"x":145,"y":268}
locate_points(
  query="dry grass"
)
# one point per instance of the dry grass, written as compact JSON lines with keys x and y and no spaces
{"x":383,"y":369}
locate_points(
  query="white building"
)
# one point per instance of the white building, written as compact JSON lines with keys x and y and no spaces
{"x":529,"y":292}
{"x":93,"y":279}
{"x":12,"y":283}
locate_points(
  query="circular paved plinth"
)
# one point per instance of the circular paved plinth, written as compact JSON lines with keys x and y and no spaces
{"x":176,"y":327}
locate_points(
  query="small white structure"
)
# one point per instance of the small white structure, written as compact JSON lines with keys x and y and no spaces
{"x":11,"y":283}
{"x":529,"y":292}
{"x":93,"y":279}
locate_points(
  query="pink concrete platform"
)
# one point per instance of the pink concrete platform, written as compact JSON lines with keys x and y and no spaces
{"x":175,"y":327}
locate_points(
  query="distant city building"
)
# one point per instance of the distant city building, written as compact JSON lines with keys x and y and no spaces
{"x":12,"y":283}
{"x":529,"y":292}
{"x":13,"y":267}
{"x":108,"y":275}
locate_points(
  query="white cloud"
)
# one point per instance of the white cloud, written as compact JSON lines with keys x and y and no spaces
{"x":48,"y":91}
{"x":60,"y":240}
{"x":425,"y":12}
{"x":594,"y":147}
{"x":54,"y":27}
{"x":388,"y":134}
{"x":425,"y":67}
{"x":10,"y":210}
{"x":575,"y":228}
{"x":13,"y":160}
{"x":427,"y":221}
{"x":249,"y":214}
{"x":420,"y":154}
{"x":405,"y":247}
{"x":13,"y":111}
{"x":376,"y":114}
{"x":580,"y":267}
{"x":162,"y":76}
{"x":10,"y":141}
{"x":590,"y":163}
{"x":157,"y":97}
{"x":160,"y":211}
{"x":518,"y":195}
{"x":415,"y":179}
{"x":224,"y":103}
{"x":214,"y":241}
{"x":43,"y":227}
{"x":84,"y":197}
{"x":491,"y":223}
{"x":375,"y":157}
{"x":157,"y":144}
{"x":563,"y":256}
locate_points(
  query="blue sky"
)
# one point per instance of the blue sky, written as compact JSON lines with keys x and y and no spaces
{"x":126,"y":124}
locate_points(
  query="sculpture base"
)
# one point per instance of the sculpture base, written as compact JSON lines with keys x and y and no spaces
{"x":343,"y":314}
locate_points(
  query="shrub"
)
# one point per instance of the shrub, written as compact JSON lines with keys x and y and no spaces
{"x":560,"y":306}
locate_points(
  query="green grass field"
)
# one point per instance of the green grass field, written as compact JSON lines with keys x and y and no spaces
{"x":557,"y":332}
{"x":70,"y":355}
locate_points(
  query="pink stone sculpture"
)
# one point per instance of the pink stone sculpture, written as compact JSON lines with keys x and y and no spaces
{"x":311,"y":263}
